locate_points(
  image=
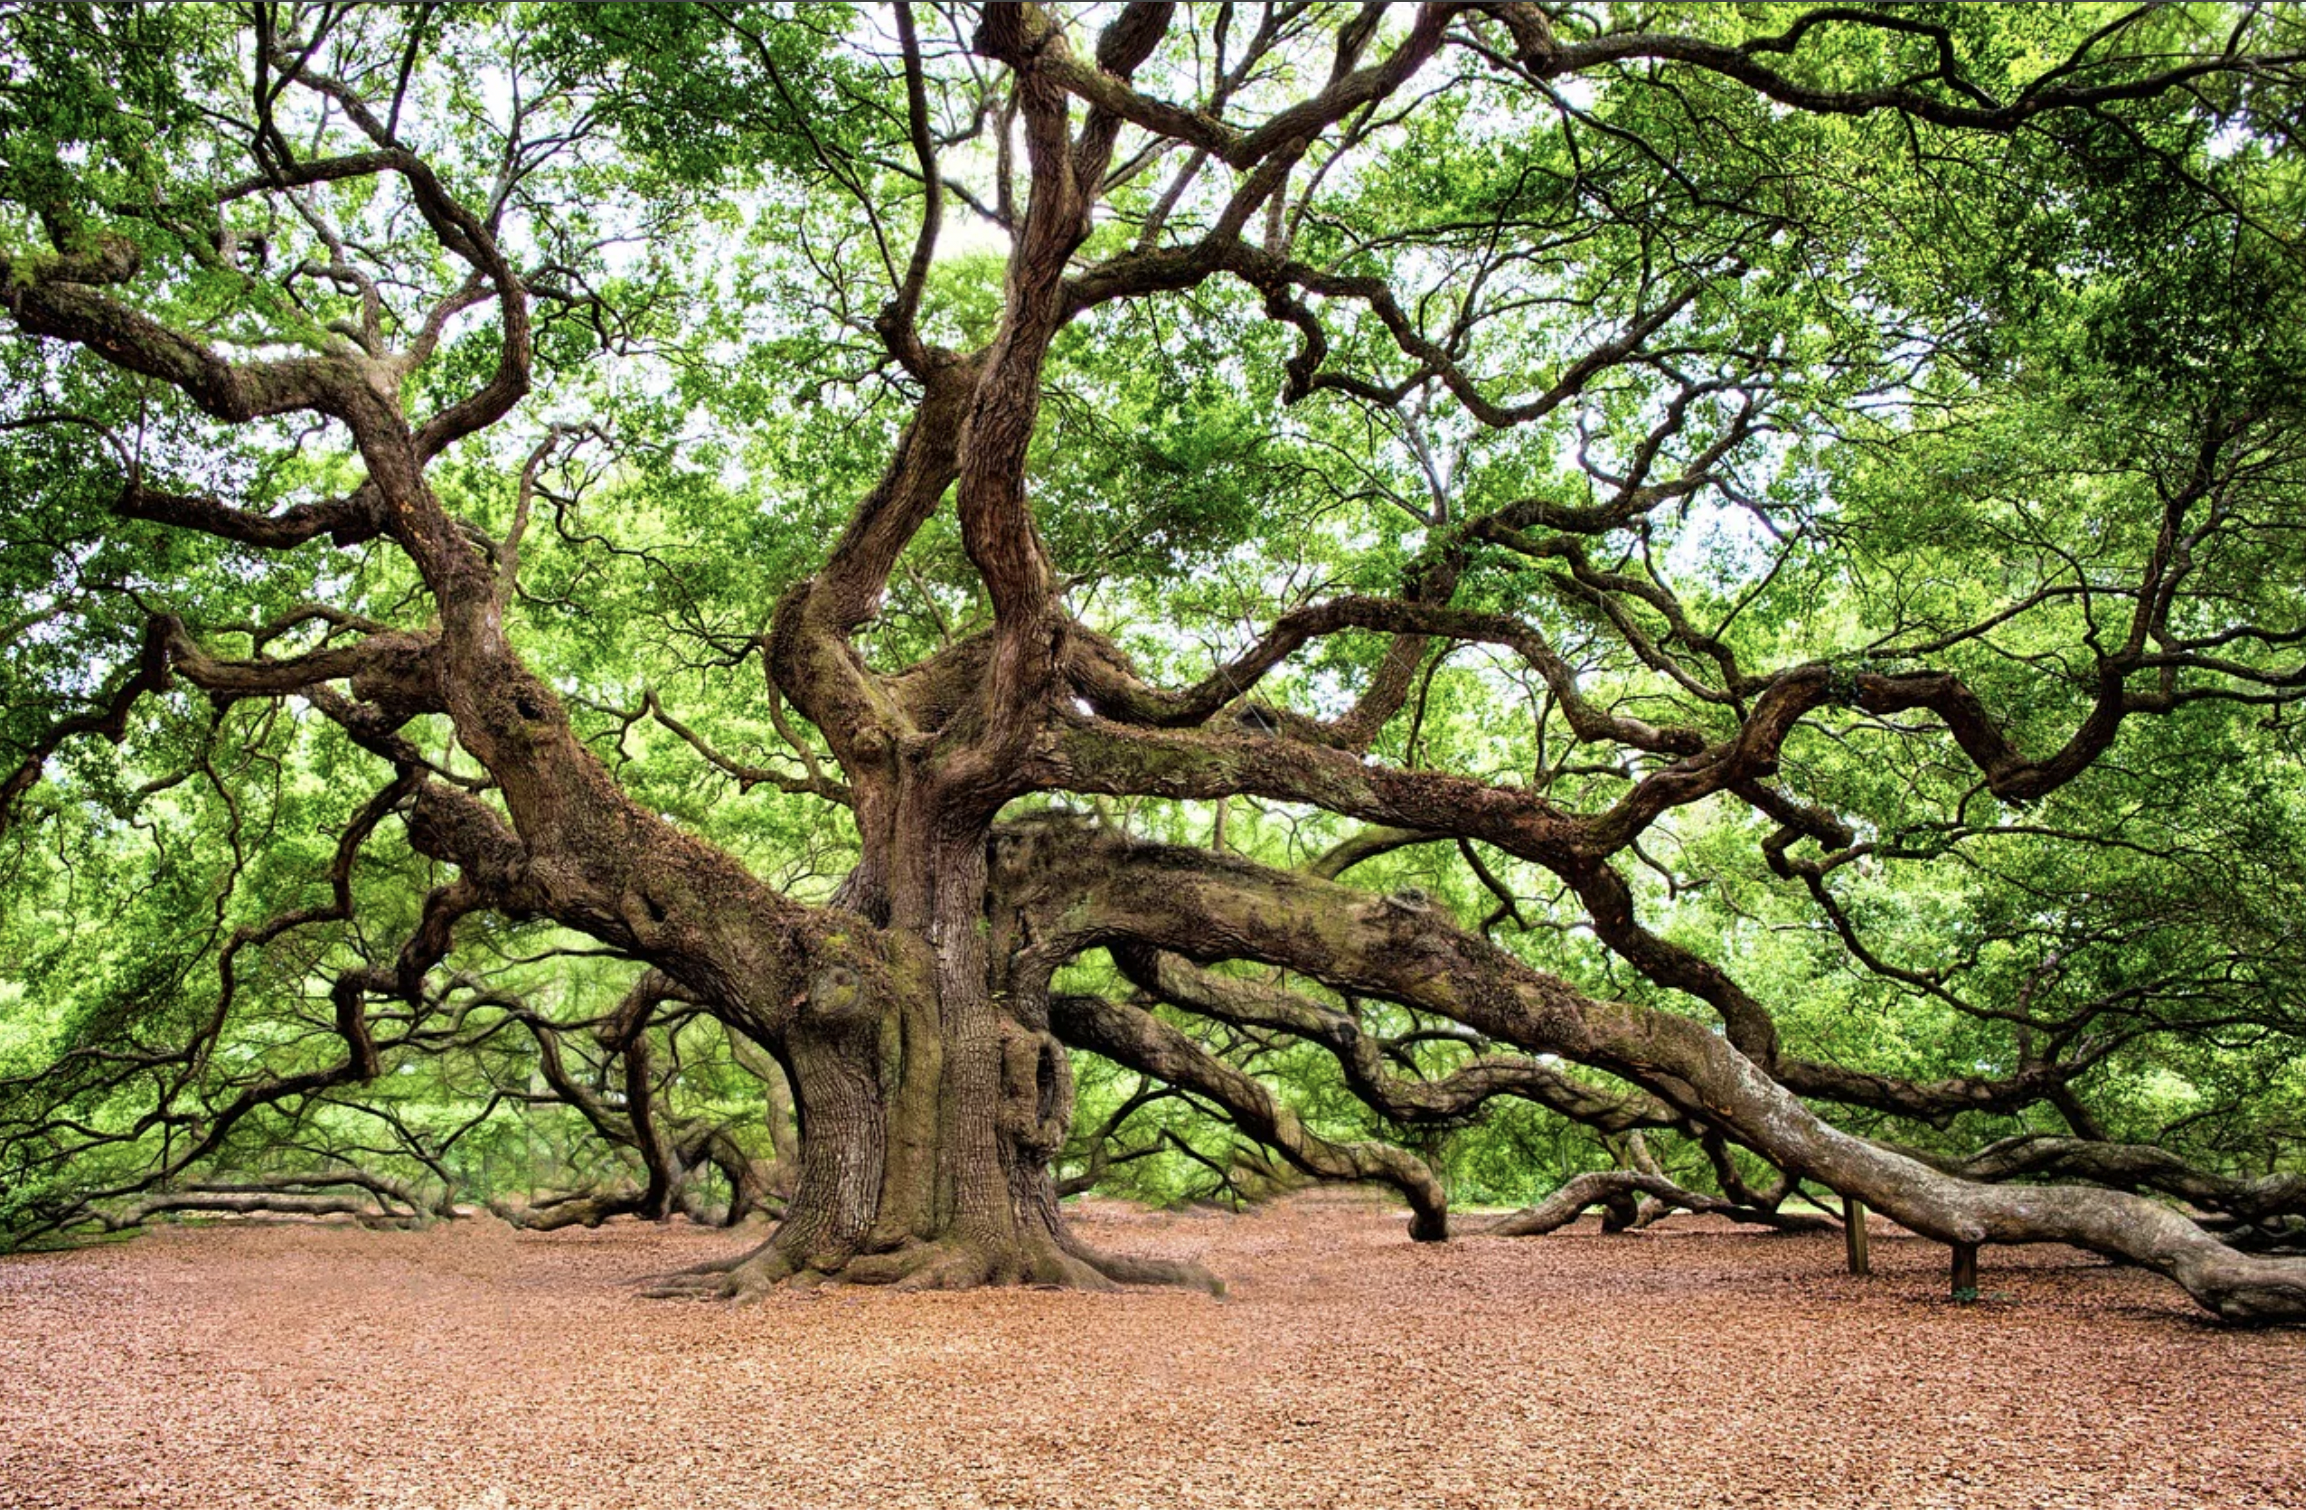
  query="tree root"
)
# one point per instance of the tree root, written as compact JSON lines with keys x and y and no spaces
{"x":1134,"y":1269}
{"x":705,"y":1281}
{"x":951,"y":1263}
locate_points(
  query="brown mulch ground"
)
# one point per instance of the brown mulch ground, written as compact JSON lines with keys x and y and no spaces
{"x":1684,"y":1366}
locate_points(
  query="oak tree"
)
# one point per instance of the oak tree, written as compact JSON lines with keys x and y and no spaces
{"x":1724,"y":576}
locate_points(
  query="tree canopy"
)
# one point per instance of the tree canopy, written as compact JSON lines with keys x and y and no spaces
{"x":888,"y":613}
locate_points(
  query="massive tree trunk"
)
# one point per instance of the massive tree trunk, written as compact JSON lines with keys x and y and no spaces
{"x":931,"y":1095}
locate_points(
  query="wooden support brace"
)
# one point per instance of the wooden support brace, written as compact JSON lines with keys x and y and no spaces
{"x":1854,"y":1235}
{"x":1965,"y":1272}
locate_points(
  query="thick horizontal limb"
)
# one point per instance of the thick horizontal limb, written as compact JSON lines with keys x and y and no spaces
{"x":1209,"y":907}
{"x":2135,"y":1166}
{"x":1582,"y":1193}
{"x":1170,"y":978}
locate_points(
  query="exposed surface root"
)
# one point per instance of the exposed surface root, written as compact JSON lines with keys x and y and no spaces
{"x":706,"y":1281}
{"x":945,"y":1264}
{"x":1136,"y":1269}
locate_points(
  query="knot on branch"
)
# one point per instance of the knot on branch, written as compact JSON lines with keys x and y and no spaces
{"x":445,"y":824}
{"x":400,"y":676}
{"x":107,"y":258}
{"x":835,"y":996}
{"x":1532,"y":32}
{"x":1036,"y":1091}
{"x":1023,"y":846}
{"x":1015,"y":34}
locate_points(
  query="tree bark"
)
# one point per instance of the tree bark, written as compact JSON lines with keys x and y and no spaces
{"x":931,"y":1098}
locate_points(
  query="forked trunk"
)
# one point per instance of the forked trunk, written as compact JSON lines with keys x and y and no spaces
{"x":929,"y":1110}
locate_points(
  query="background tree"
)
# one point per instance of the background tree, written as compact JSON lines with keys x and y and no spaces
{"x":1724,"y":577}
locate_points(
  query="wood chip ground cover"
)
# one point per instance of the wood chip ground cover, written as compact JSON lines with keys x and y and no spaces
{"x":1688,"y":1365}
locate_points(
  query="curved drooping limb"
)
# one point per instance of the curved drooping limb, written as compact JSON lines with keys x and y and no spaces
{"x":1285,"y":768}
{"x":1139,"y":749}
{"x":673,"y":1148}
{"x":1211,"y":907}
{"x":465,"y":667}
{"x":2264,"y":1200}
{"x":1362,"y":1056}
{"x":1614,"y":1187}
{"x":1140,"y":1041}
{"x":373,"y":1199}
{"x":193,"y":1133}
